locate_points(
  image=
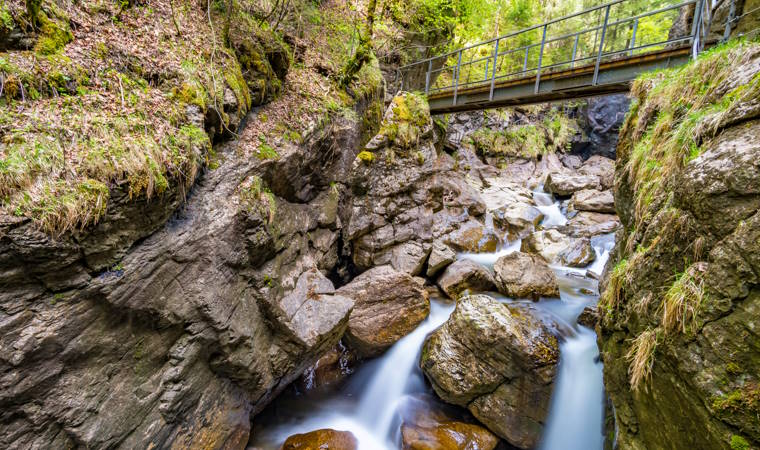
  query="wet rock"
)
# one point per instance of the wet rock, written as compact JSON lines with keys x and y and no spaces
{"x":465,"y":275}
{"x":429,"y":424}
{"x":547,"y":243}
{"x":441,"y":256}
{"x":329,"y":370}
{"x":499,"y":362}
{"x":322,"y":439}
{"x":579,"y":253}
{"x":594,"y":200}
{"x":604,"y":116}
{"x":589,"y":317}
{"x":589,"y":224}
{"x":524,"y":275}
{"x":473,"y":236}
{"x":389,"y":305}
{"x":563,"y":184}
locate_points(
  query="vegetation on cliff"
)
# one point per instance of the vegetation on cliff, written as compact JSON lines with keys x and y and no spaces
{"x":682,"y":282}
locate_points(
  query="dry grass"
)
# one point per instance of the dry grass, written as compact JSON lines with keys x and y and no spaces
{"x":683,"y":301}
{"x":674,"y":112}
{"x":640,"y":358}
{"x":613,"y":293}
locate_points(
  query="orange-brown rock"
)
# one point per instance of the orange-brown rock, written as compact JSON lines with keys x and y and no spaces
{"x":324,"y":439}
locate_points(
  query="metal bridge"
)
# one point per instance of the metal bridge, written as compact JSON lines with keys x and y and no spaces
{"x":593,"y":52}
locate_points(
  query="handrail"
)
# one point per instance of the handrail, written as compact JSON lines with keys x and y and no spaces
{"x":487,"y":66}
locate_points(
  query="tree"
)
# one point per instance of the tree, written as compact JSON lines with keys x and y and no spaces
{"x":363,"y":52}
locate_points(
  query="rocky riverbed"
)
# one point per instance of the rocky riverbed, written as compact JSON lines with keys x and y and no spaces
{"x":508,"y":268}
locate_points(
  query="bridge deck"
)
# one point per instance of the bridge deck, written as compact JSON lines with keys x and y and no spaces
{"x":596,"y":51}
{"x":614,"y":77}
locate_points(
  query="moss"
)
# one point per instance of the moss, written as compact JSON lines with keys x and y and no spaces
{"x":738,"y":443}
{"x":743,"y":400}
{"x":266,"y":151}
{"x":54,"y":35}
{"x":256,"y":198}
{"x":366,"y":157}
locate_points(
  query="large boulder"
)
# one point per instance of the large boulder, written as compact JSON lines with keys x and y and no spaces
{"x":473,"y":236}
{"x":499,"y":362}
{"x":525,"y":275}
{"x":441,"y":255}
{"x":589,"y":224}
{"x":389,"y":305}
{"x":465,"y":275}
{"x":600,"y":167}
{"x":563,"y":184}
{"x":580,"y":253}
{"x":322,"y":439}
{"x":547,"y":243}
{"x":594,"y":200}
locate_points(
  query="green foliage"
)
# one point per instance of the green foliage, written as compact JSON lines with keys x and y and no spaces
{"x":739,"y":443}
{"x":675,"y":111}
{"x":256,"y":198}
{"x":366,"y":157}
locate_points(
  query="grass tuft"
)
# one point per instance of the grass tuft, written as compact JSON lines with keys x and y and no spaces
{"x":683,"y":301}
{"x":640,"y":358}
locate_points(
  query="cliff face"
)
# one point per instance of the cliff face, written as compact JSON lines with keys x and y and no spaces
{"x":156,"y":292}
{"x":679,"y":328}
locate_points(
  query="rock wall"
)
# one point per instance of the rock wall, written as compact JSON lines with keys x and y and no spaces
{"x":680,"y":310}
{"x":213,"y":309}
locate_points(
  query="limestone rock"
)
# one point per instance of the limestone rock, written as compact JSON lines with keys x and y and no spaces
{"x":589,"y":317}
{"x":322,"y":439}
{"x":579,"y":253}
{"x":547,"y":243}
{"x":593,"y":200}
{"x":312,"y":309}
{"x":564,"y":183}
{"x":389,"y":305}
{"x":498,"y":361}
{"x":441,"y":256}
{"x":428,"y":424}
{"x":520,"y":218}
{"x":465,"y":275}
{"x":601,"y":168}
{"x":524,"y":275}
{"x":473,"y":236}
{"x":589,"y":224}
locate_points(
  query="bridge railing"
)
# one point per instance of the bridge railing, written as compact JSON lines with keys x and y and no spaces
{"x":583,"y":39}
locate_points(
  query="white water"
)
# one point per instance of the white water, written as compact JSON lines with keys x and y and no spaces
{"x":367,"y":404}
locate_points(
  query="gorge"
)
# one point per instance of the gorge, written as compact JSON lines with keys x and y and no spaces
{"x":224,"y":225}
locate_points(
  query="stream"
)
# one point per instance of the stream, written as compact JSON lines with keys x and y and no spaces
{"x":367,"y":402}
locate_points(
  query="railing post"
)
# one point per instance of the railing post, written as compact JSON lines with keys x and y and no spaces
{"x":493,"y":69}
{"x":427,"y":77}
{"x":575,"y":50}
{"x":456,"y":79}
{"x":601,"y":46}
{"x":525,"y":61}
{"x":695,"y":28}
{"x":540,"y":60}
{"x":632,"y":45}
{"x":731,"y":18}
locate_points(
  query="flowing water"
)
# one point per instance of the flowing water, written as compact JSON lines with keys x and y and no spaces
{"x":367,"y":403}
